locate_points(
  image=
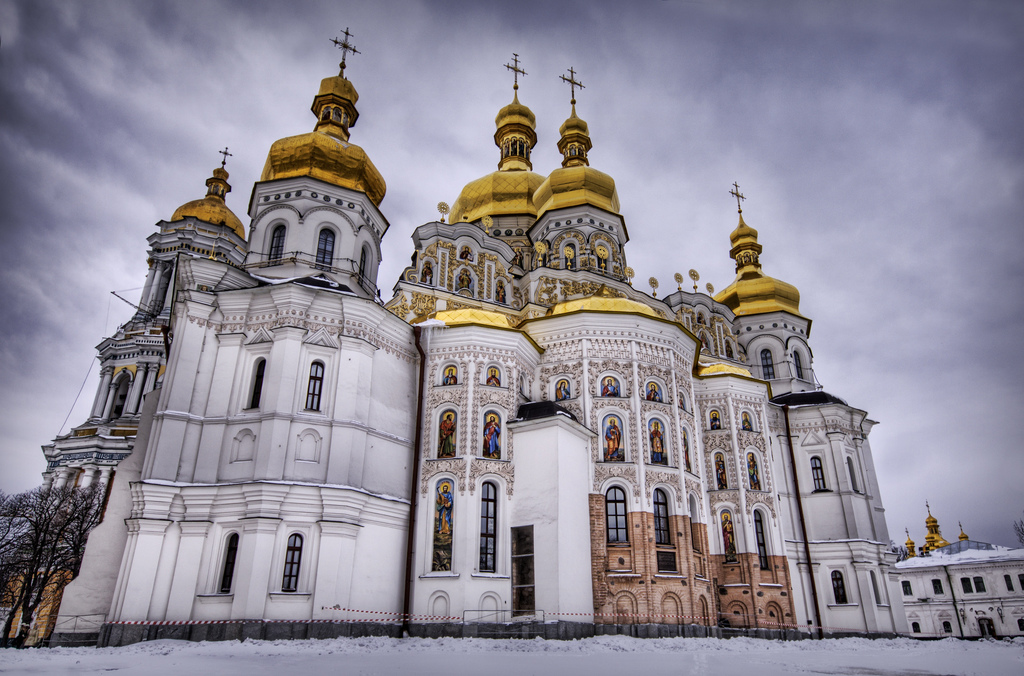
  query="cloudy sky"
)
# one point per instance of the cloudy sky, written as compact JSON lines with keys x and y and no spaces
{"x":879,"y":145}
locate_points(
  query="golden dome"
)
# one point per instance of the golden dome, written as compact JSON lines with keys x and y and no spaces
{"x":604,"y":300}
{"x":574,"y":124}
{"x":212,"y":209}
{"x":473,"y":316}
{"x":515,"y":113}
{"x":497,"y":193}
{"x":325,"y":153}
{"x":754,"y":292}
{"x":575,"y":186}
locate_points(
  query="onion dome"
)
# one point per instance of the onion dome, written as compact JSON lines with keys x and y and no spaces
{"x":510,"y":189}
{"x":212,"y":209}
{"x":963,"y":536}
{"x":325,"y":153}
{"x":911,"y":551}
{"x":754,"y":292}
{"x":933,"y":540}
{"x":576,"y":183}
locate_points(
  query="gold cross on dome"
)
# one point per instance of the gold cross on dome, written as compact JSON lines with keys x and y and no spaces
{"x":345,"y":46}
{"x":573,"y":83}
{"x":735,"y":192}
{"x":226,"y":155}
{"x":516,"y":70}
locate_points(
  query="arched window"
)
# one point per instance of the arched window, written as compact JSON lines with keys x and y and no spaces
{"x":292,"y":559}
{"x":853,"y":475}
{"x":488,"y":526}
{"x":915,"y":627}
{"x":277,"y":244}
{"x":229,"y":564}
{"x":762,"y":543}
{"x":798,"y":365}
{"x":818,"y":474}
{"x":316,"y":383}
{"x":767,"y":365}
{"x":728,"y":349}
{"x":363,"y":259}
{"x":661,"y":530}
{"x":838,"y":587}
{"x":570,"y":256}
{"x":257,"y":383}
{"x":615,"y":515}
{"x":121,"y":395}
{"x":948,"y":628}
{"x":325,"y":249}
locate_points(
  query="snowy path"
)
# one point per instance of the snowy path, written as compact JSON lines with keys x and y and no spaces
{"x":605,"y":655}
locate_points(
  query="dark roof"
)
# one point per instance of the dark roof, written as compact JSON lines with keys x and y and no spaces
{"x":807,"y":399}
{"x":321,"y":282}
{"x":542,"y":409}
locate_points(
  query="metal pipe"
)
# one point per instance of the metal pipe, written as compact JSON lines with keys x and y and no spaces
{"x":803,"y":522}
{"x":413,"y":494}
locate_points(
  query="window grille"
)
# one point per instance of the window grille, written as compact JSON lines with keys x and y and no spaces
{"x":292,"y":559}
{"x":316,"y":383}
{"x":615,"y":513}
{"x":488,"y":527}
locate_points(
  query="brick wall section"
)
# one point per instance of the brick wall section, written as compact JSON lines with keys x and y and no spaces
{"x":751,"y":597}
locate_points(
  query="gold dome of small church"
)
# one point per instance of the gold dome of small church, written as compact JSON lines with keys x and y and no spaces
{"x":326,"y":153}
{"x":753,"y":292}
{"x":212,"y":208}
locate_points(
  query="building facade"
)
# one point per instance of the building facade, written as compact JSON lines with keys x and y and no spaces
{"x":517,"y":436}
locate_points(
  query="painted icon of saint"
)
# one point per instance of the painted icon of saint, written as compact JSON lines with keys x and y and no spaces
{"x":613,"y":440}
{"x":492,"y":436}
{"x":493,"y":377}
{"x":562,"y":390}
{"x":720,"y":476}
{"x":444,"y":502}
{"x":499,"y":292}
{"x":686,"y":451}
{"x":465,"y":281}
{"x":716,"y":421}
{"x":610,"y":387}
{"x":658,"y":455}
{"x":466,"y":254}
{"x":653,"y":392}
{"x":745,"y":422}
{"x":428,"y":273}
{"x":753,"y":473}
{"x":451,"y":376}
{"x":728,"y":537}
{"x":446,"y":435}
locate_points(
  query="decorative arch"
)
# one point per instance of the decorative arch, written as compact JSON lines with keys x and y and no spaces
{"x":714,"y":419}
{"x":747,"y":421}
{"x":449,"y":374}
{"x":243,"y":446}
{"x":654,"y":390}
{"x":493,"y":375}
{"x":439,"y":605}
{"x":465,"y":280}
{"x":774,"y":613}
{"x":625,"y":608}
{"x":563,"y":388}
{"x":307,"y":446}
{"x":427,"y":271}
{"x":670,"y":609}
{"x":610,"y":385}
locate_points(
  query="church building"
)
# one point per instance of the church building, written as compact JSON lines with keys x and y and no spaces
{"x":517,"y":439}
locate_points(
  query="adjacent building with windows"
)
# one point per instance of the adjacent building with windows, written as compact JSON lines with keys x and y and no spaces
{"x":966,"y":589}
{"x":518,"y":434}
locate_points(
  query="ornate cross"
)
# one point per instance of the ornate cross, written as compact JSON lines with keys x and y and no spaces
{"x":735,"y":192}
{"x":226,"y":155}
{"x":345,"y":46}
{"x":573,"y":83}
{"x":516,"y":70}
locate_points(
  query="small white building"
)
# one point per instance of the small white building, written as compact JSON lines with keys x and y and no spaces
{"x":964,"y":589}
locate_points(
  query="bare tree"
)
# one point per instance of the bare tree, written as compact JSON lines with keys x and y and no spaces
{"x":42,"y":541}
{"x":1018,"y":528}
{"x":899,"y":550}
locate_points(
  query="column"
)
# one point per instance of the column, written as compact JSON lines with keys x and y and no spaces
{"x":185,"y":581}
{"x":99,"y":402}
{"x":109,"y":405}
{"x":254,"y":567}
{"x":138,"y":383}
{"x":333,"y":584}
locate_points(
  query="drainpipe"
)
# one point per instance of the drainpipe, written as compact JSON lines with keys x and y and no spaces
{"x":413,"y":492}
{"x":952,"y":592}
{"x":803,"y":522}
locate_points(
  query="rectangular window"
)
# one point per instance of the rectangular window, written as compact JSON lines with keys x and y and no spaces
{"x":1009,"y":582}
{"x":907,"y":590}
{"x":523,"y":598}
{"x":937,"y":586}
{"x":666,"y":562}
{"x":1020,"y":581}
{"x":965,"y":582}
{"x":488,"y":523}
{"x":979,"y":585}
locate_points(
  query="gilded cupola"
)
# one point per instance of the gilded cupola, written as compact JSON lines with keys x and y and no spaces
{"x":576,"y":183}
{"x":326,"y":153}
{"x":753,"y":292}
{"x":508,"y":191}
{"x":933,"y":540}
{"x":212,"y":208}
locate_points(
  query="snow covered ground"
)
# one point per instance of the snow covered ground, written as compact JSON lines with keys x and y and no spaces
{"x":604,"y":655}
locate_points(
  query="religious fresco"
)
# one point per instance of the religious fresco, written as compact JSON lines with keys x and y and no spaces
{"x":444,"y":502}
{"x":656,"y":432}
{"x":427,"y":276}
{"x":466,"y":254}
{"x":446,"y":434}
{"x":728,"y":537}
{"x":563,"y":390}
{"x":492,"y":436}
{"x":493,"y":377}
{"x":610,"y":387}
{"x":686,"y":451}
{"x":716,"y":421}
{"x":745,"y":422}
{"x":451,"y":376}
{"x":721,"y":479}
{"x":499,"y":292}
{"x":464,"y":281}
{"x":753,"y":473}
{"x":653,"y":392}
{"x":613,"y":440}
